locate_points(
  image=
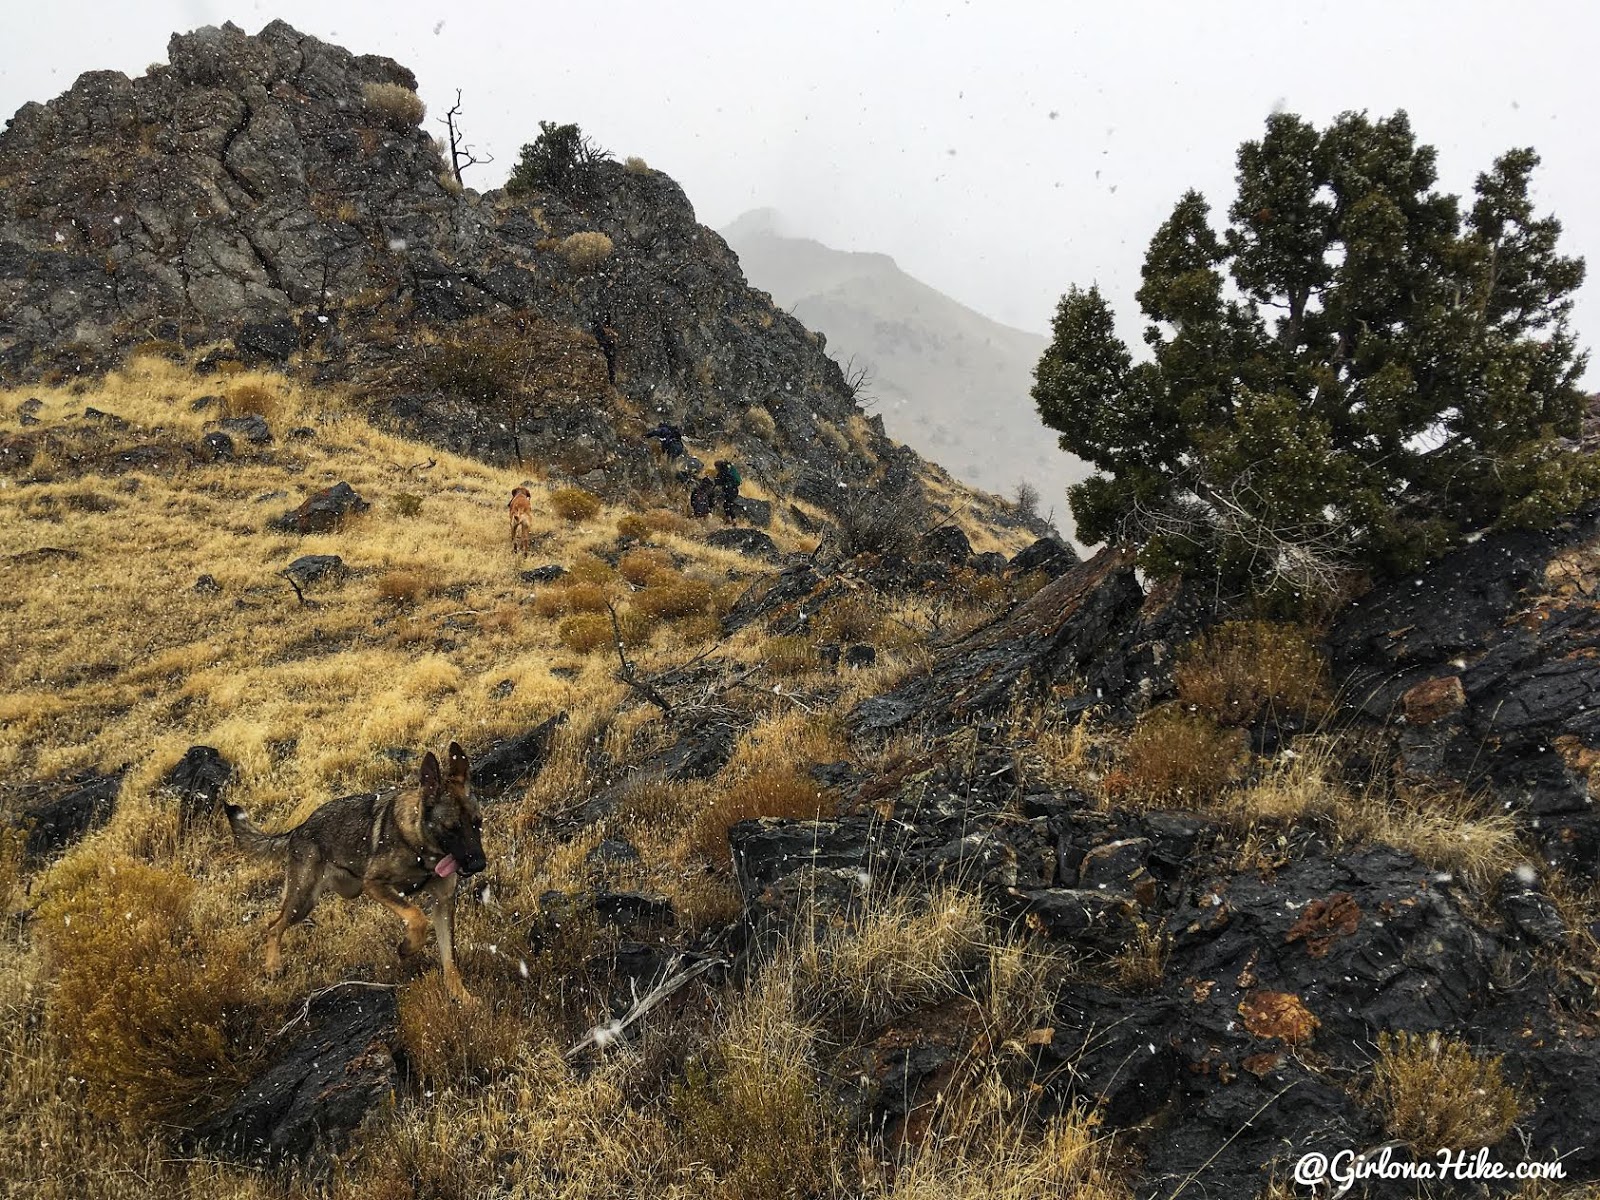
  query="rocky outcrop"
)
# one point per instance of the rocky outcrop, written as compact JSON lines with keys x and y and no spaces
{"x":1488,"y":665}
{"x":253,"y":189}
{"x":1274,"y":986}
{"x":1092,"y":628}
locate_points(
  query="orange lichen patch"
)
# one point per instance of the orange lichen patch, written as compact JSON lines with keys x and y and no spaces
{"x":1263,"y":1064}
{"x":1434,"y":700}
{"x":1325,"y":921}
{"x":1280,"y":1015}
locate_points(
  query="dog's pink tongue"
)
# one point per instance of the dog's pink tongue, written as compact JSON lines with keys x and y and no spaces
{"x":446,"y":866}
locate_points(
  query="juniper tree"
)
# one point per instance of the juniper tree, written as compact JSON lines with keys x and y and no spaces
{"x":1355,"y":372}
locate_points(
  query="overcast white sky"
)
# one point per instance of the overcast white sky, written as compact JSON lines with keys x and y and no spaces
{"x":999,"y":151}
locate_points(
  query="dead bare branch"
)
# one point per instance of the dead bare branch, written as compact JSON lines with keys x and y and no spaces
{"x":604,"y":1034}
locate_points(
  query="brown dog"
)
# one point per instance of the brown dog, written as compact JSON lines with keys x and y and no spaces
{"x":521,"y":520}
{"x":424,"y":838}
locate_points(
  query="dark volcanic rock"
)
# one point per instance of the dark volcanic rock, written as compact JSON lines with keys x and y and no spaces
{"x":515,"y":759}
{"x":1056,"y":633}
{"x":199,"y":779}
{"x":546,"y":574}
{"x":252,"y":427}
{"x":323,"y":511}
{"x":316,"y":568}
{"x":53,"y":825}
{"x":752,"y":542}
{"x":1050,"y":555}
{"x":319,"y":1085}
{"x":1493,"y":657}
{"x":860,"y":655}
{"x":216,"y":446}
{"x":272,"y":341}
{"x":947,"y":544}
{"x":793,"y":584}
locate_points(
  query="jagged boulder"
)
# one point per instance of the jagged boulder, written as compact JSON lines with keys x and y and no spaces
{"x":323,"y":511}
{"x":318,"y":1085}
{"x":198,"y":780}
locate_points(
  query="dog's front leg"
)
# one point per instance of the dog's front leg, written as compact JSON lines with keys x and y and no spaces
{"x":444,"y":914}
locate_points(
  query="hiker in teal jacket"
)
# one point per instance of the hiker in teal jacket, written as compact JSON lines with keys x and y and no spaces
{"x":728,"y":481}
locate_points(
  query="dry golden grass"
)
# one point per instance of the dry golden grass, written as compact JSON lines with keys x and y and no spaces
{"x":672,"y":597}
{"x":1435,"y":1092}
{"x":252,"y":398}
{"x":751,"y":1111}
{"x":147,"y":1012}
{"x":396,"y":106}
{"x":898,"y":956}
{"x":1245,"y":670}
{"x":585,"y":251}
{"x":775,"y":792}
{"x":1141,"y":965}
{"x":1449,"y":830}
{"x":1176,"y":757}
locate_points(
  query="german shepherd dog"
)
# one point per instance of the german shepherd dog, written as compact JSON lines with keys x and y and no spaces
{"x":424,"y":838}
{"x":521,"y":520}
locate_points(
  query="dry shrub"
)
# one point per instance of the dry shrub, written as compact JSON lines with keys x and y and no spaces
{"x":588,"y":632}
{"x":586,"y":250}
{"x":592,"y":569}
{"x":632,"y":528}
{"x":446,"y":1046}
{"x":751,"y":1111}
{"x":571,"y":598}
{"x":1435,"y":1092}
{"x":402,"y":586}
{"x":251,"y":399}
{"x":1174,"y":756}
{"x":637,"y":566}
{"x":146,"y":1012}
{"x":1245,"y":670}
{"x":574,"y":504}
{"x":636,"y":164}
{"x":849,"y":619}
{"x":396,"y":106}
{"x":406,"y":504}
{"x":671,"y":597}
{"x":664,"y":520}
{"x":772,"y":792}
{"x":759,"y":421}
{"x":792,"y":655}
{"x":898,"y":956}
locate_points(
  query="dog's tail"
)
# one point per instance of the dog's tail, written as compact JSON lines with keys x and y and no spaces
{"x":250,"y":839}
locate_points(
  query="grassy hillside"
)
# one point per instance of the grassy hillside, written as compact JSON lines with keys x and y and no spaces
{"x":117,"y":657}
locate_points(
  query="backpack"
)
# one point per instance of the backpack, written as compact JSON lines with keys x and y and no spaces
{"x":733,"y":473}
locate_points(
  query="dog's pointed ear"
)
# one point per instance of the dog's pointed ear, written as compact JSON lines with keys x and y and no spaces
{"x":431,"y":780}
{"x":460,"y":768}
{"x":409,"y":803}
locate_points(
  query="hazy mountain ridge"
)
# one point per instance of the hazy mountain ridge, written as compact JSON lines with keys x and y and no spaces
{"x":949,"y":381}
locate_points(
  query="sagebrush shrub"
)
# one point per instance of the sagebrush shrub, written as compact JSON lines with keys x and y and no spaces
{"x":146,"y":1010}
{"x":1245,"y":670}
{"x":1178,"y":756}
{"x":574,"y":504}
{"x":396,"y":106}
